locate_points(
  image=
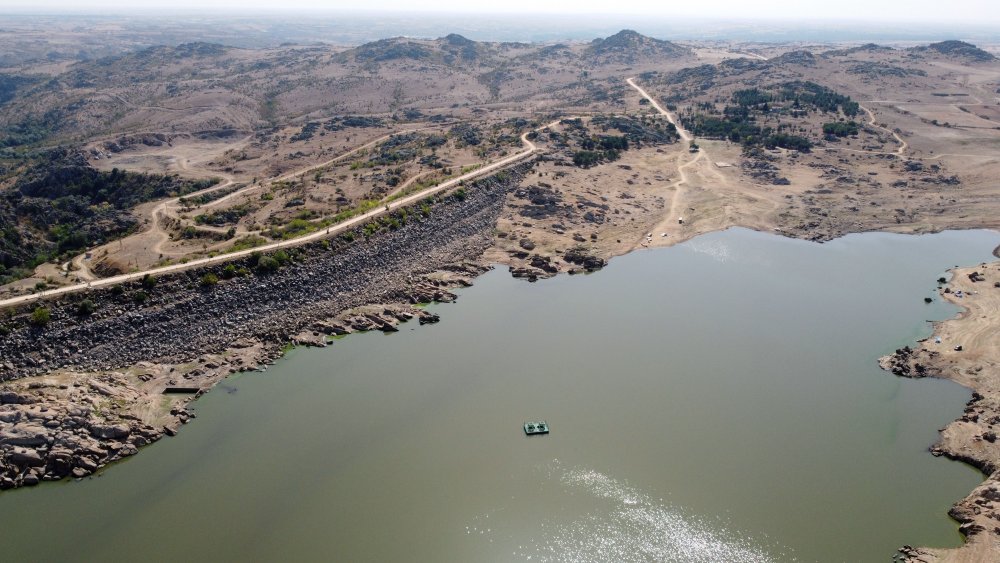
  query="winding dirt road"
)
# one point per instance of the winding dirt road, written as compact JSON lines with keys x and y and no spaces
{"x":871,"y":121}
{"x":672,"y":216}
{"x":166,"y":208}
{"x":529,"y":149}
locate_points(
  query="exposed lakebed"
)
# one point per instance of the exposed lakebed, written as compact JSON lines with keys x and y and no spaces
{"x":717,"y":400}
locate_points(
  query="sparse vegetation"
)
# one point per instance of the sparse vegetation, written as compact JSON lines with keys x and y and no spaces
{"x":86,"y":308}
{"x":246,"y":243}
{"x":40,"y":317}
{"x":58,"y":205}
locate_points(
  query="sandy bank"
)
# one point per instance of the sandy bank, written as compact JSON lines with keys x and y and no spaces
{"x":966,"y":349}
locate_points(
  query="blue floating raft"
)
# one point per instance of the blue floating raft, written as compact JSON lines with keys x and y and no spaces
{"x":532,"y":428}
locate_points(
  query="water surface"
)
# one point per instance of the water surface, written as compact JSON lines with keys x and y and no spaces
{"x":718,"y":400}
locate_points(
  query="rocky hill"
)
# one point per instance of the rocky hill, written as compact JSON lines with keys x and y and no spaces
{"x":630,"y":46}
{"x":860,"y":49}
{"x":957,"y":50}
{"x":452,"y":49}
{"x":804,"y":58}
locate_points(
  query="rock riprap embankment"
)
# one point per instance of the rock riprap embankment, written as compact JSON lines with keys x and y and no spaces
{"x":79,"y":387}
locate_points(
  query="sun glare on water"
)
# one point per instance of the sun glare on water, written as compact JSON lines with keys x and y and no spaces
{"x":634,"y":527}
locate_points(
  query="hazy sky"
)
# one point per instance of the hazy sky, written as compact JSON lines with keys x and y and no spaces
{"x":977,"y":11}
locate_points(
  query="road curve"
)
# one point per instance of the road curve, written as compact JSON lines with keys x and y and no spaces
{"x":903,"y":145}
{"x":83,"y":272}
{"x":529,"y":149}
{"x":670,"y":117}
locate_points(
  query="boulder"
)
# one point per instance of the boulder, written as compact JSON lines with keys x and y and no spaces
{"x":543,"y":263}
{"x":10,"y":414}
{"x":582,"y":257}
{"x":30,"y":435}
{"x":109,"y":431}
{"x":12,"y":398}
{"x":25,"y":458}
{"x":429,"y":318}
{"x":86,"y":463}
{"x":60,"y":462}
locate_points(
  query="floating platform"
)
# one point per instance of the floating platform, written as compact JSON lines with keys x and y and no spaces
{"x":532,"y":428}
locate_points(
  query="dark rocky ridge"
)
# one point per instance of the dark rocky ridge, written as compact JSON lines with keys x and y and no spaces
{"x":181,"y":321}
{"x":958,"y":49}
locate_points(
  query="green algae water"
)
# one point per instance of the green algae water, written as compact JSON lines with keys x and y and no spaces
{"x":714,"y":401}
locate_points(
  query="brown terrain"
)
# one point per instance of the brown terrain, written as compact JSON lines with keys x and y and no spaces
{"x":966,"y":350}
{"x":580,"y":151}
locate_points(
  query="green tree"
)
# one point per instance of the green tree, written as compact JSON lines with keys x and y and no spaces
{"x":40,"y":317}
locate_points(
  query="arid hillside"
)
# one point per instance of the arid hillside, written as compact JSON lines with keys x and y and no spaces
{"x":285,"y":141}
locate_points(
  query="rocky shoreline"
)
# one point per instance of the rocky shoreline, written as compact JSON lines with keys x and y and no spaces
{"x":966,"y":349}
{"x":84,"y":390}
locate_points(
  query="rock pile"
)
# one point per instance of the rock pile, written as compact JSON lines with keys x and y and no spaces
{"x":67,"y":421}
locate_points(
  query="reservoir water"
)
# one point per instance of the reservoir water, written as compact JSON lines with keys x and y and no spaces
{"x":714,"y":401}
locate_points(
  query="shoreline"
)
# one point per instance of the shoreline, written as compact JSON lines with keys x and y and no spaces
{"x":87,"y":390}
{"x":132,"y":410}
{"x":965,"y":349}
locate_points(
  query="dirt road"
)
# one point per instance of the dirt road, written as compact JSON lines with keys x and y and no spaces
{"x":673,"y":215}
{"x":871,"y":121}
{"x":530,"y":149}
{"x":670,"y":117}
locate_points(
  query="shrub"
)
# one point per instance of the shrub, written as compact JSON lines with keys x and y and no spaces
{"x":209,"y":280}
{"x":85,"y":308}
{"x":229,"y":272}
{"x":40,"y":317}
{"x":140,"y":297}
{"x":148,"y":282}
{"x":267,"y":265}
